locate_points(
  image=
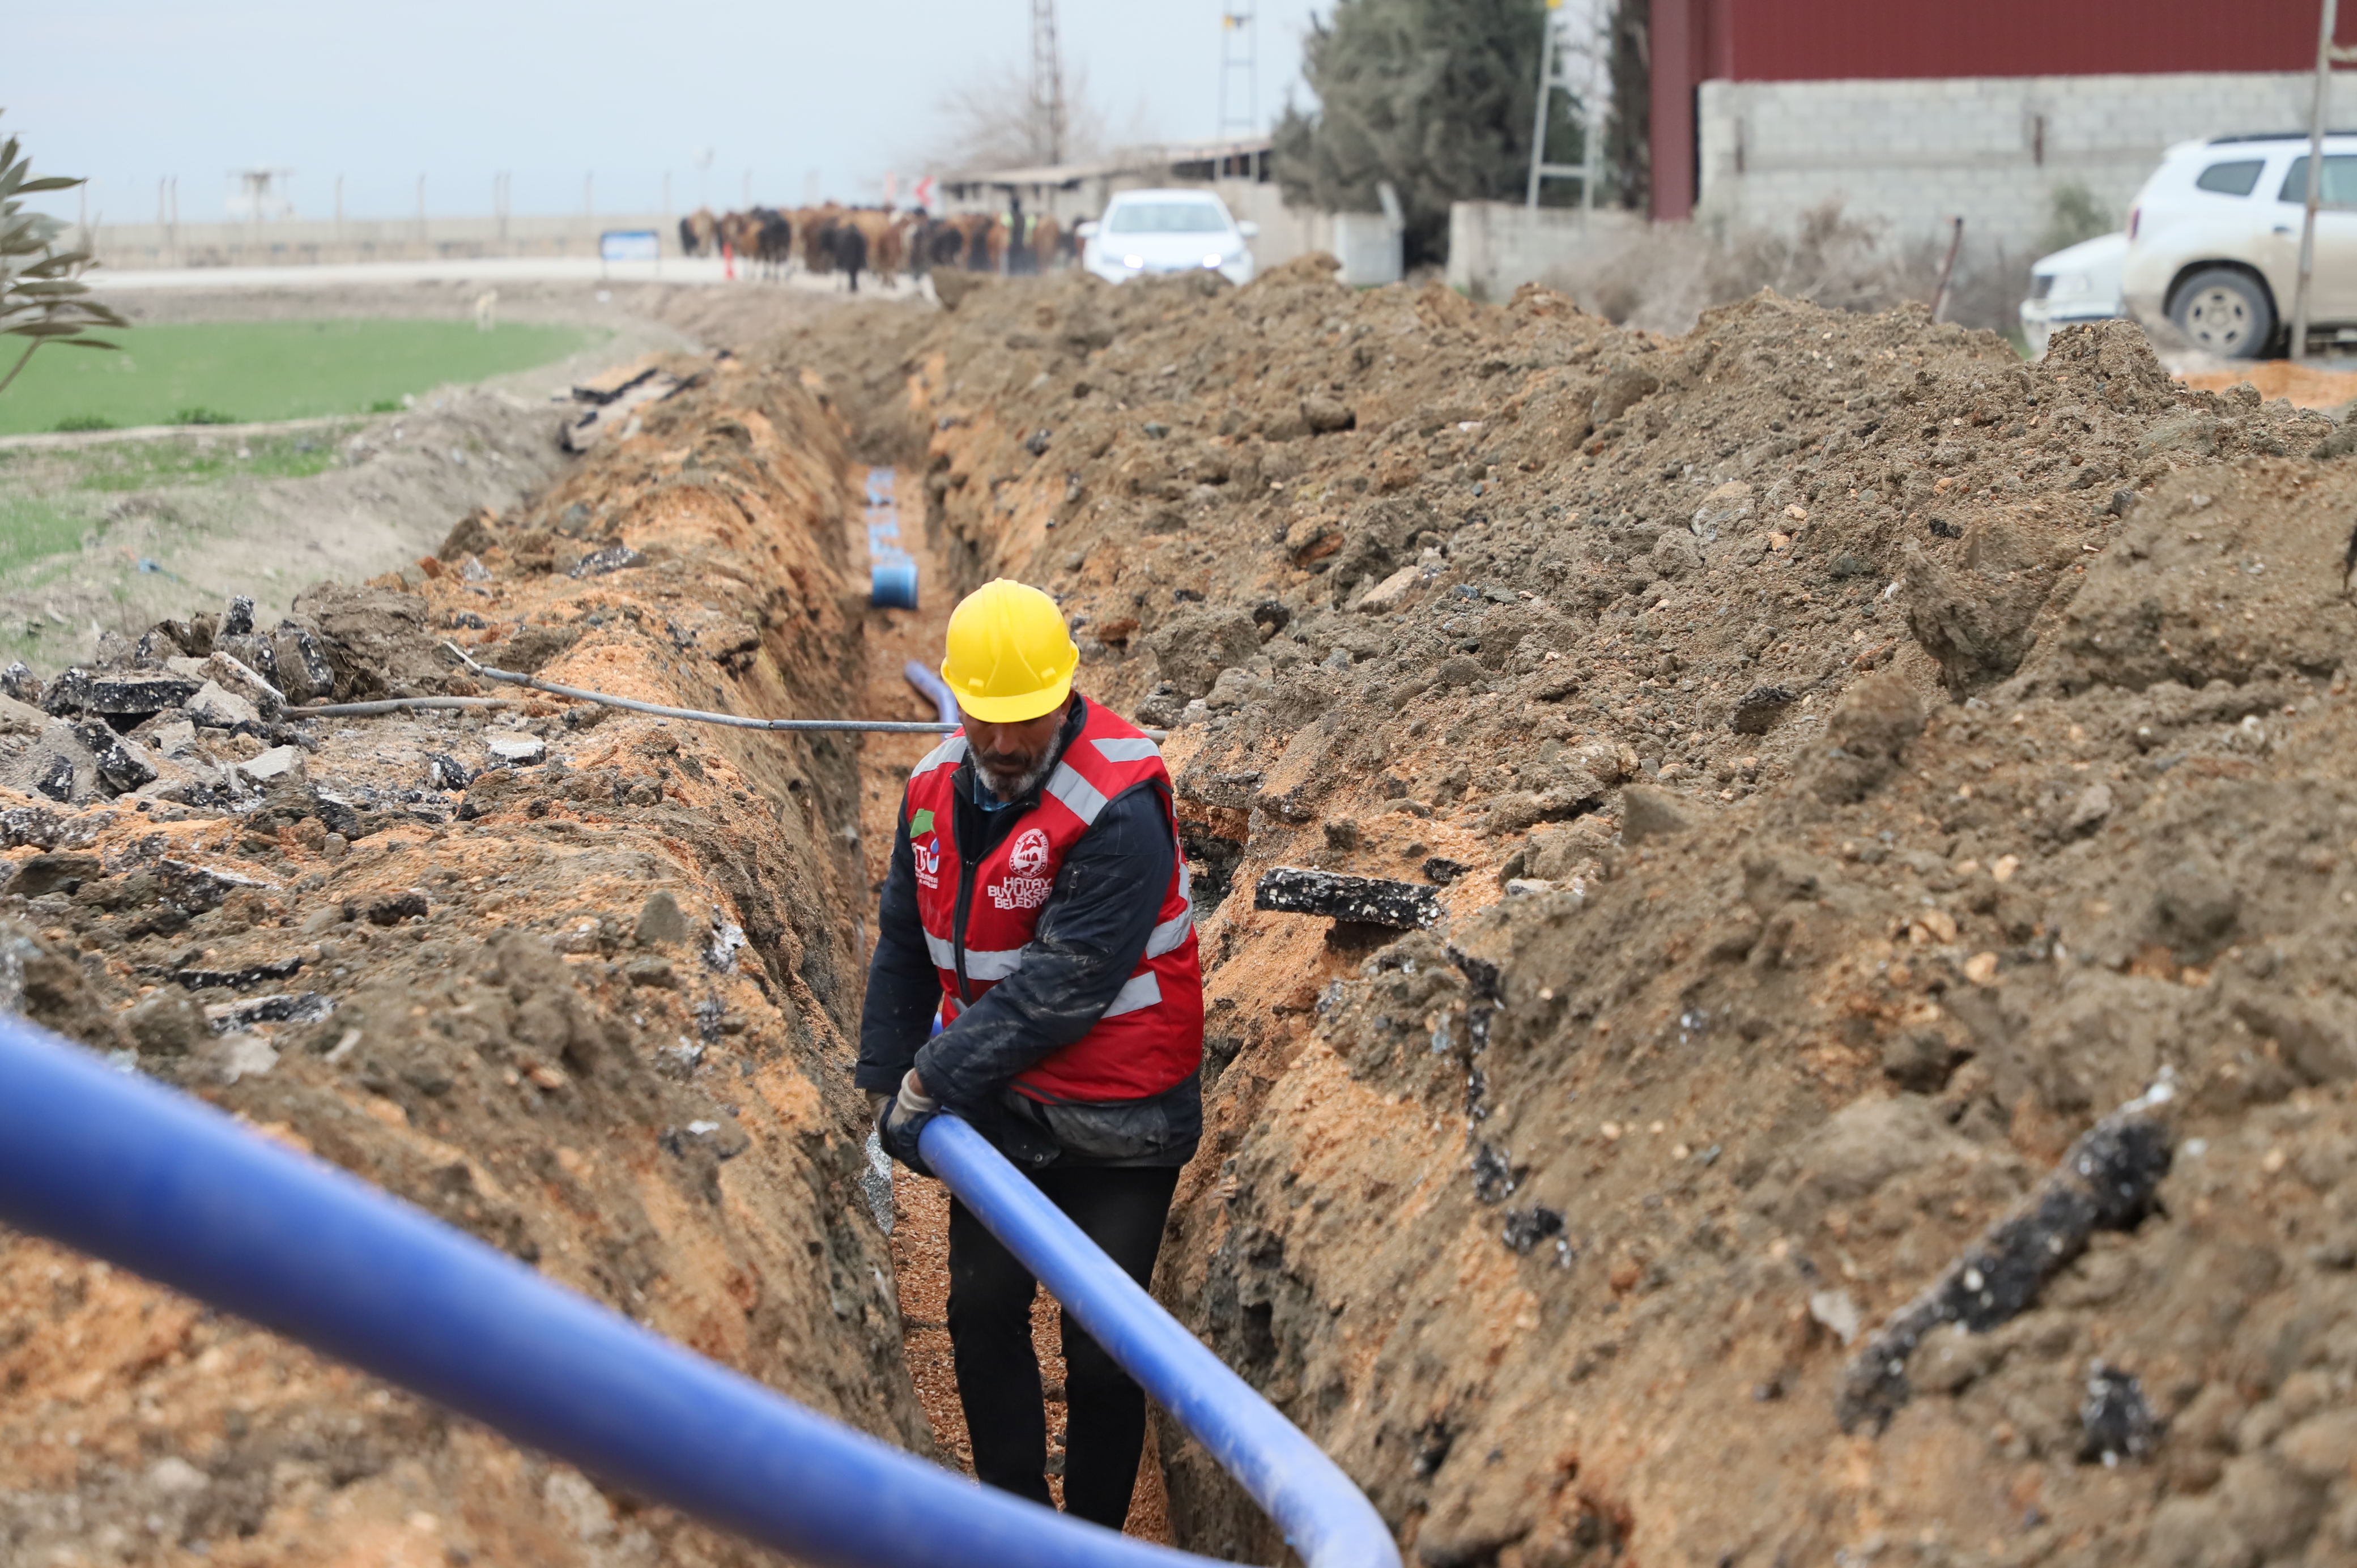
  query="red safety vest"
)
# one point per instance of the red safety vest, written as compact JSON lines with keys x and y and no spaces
{"x":1151,"y":1036}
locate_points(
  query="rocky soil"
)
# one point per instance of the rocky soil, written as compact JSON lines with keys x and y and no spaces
{"x":1853,"y":762}
{"x":1848,"y":765}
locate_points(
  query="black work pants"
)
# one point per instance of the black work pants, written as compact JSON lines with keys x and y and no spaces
{"x":1122,"y":1210}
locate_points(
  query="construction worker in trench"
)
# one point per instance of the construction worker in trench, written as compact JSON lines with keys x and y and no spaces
{"x":1037,"y":896}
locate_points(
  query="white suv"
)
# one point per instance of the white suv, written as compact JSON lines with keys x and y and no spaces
{"x":2080,"y":282}
{"x":2214,"y":242}
{"x":1167,"y":231}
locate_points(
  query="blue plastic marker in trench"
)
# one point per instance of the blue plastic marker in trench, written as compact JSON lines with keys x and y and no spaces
{"x":891,"y":572}
{"x":161,"y":1184}
{"x":892,"y":584}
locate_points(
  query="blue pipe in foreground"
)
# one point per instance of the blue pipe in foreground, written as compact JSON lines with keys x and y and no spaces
{"x":1325,"y":1517}
{"x":163,"y":1185}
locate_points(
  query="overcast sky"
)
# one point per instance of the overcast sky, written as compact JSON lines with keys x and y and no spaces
{"x":129,"y":91}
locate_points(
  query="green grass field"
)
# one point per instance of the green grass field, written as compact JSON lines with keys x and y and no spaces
{"x":265,"y":370}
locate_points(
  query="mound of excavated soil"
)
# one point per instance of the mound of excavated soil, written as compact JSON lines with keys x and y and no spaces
{"x":580,"y":988}
{"x":1854,"y":762}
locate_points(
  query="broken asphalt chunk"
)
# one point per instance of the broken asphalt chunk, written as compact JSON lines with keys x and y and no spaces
{"x":303,"y":1007}
{"x":136,"y":694}
{"x":598,"y":563}
{"x":2105,"y":1182}
{"x":252,"y":974}
{"x":1402,"y":906}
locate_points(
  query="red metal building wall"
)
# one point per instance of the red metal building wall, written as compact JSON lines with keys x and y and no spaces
{"x":1696,"y":41}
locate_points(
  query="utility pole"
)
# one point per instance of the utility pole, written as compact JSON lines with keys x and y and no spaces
{"x":1046,"y":82}
{"x":2328,"y":54}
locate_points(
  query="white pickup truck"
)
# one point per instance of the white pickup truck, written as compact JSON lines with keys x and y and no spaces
{"x":2214,"y":242}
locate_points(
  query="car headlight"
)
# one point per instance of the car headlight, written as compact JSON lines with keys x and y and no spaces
{"x":1214,"y":260}
{"x":1133,"y":262}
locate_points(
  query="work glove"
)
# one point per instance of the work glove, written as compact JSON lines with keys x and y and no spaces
{"x":899,"y":1120}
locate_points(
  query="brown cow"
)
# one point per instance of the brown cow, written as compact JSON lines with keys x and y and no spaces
{"x":882,"y":232}
{"x":816,"y":225}
{"x":1046,"y":235}
{"x":741,"y":232}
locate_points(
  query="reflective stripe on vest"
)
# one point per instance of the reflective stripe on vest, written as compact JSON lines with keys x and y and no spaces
{"x":1141,"y":991}
{"x":1080,"y":796}
{"x":949,"y":753}
{"x":992,"y":965}
{"x":1164,"y":939}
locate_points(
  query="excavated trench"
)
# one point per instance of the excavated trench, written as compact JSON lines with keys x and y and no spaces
{"x":1844,"y":764}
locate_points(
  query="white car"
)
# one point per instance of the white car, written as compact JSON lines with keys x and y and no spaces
{"x":1146,"y":232}
{"x":2214,"y":242}
{"x":2078,"y":283}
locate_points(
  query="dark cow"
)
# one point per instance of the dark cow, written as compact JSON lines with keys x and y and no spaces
{"x":773,"y":240}
{"x":848,"y":249}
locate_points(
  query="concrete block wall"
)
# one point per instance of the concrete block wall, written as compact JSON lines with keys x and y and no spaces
{"x":1911,"y":154}
{"x":1284,"y":232}
{"x":1495,"y":247}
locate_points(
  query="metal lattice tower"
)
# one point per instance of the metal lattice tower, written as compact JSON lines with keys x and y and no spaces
{"x":1239,"y":55}
{"x":1047,"y":81}
{"x":1588,"y":45}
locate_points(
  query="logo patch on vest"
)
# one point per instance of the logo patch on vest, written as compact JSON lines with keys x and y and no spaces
{"x":1030,"y":856}
{"x":928,"y":856}
{"x":1023,"y":887}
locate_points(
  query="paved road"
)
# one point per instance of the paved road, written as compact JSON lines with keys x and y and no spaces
{"x":490,"y":270}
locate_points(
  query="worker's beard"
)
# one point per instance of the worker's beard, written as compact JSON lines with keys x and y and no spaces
{"x":1010,"y":779}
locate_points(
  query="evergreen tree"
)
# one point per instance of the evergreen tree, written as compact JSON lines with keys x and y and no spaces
{"x":1435,"y":96}
{"x":1628,"y":129}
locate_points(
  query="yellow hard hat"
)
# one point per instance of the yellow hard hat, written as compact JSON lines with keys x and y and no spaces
{"x":1009,"y":656}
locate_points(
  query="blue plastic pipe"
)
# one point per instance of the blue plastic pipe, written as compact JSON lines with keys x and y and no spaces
{"x":935,"y":689}
{"x":163,"y":1185}
{"x":1325,"y":1517}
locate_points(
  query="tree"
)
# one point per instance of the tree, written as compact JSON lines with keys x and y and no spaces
{"x":41,"y":297}
{"x":1629,"y":130}
{"x":990,"y":121}
{"x":1435,"y":96}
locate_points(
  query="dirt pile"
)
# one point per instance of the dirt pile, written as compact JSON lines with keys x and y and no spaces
{"x":572,"y":980}
{"x":1853,"y":762}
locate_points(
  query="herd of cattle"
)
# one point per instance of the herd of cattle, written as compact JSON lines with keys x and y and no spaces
{"x":852,"y":240}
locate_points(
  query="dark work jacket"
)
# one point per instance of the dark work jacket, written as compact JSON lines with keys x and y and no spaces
{"x":1089,"y":938}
